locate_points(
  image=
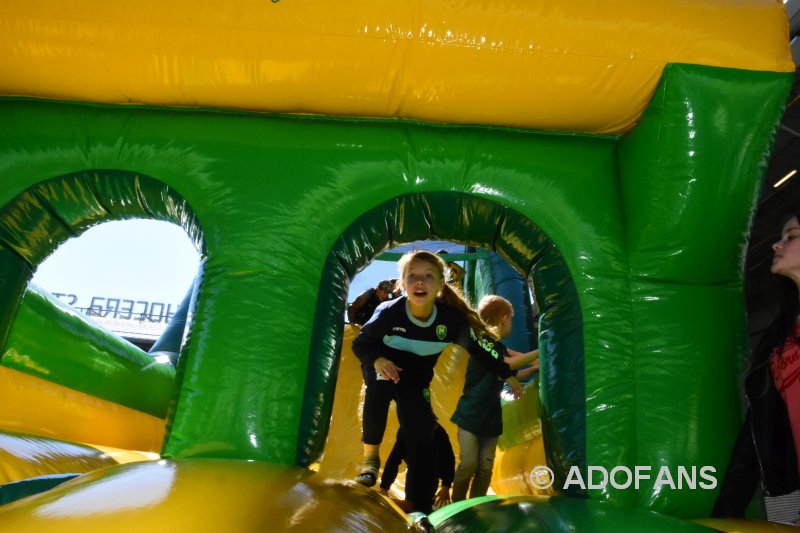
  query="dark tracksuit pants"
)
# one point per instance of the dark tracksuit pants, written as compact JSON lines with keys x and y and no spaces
{"x":418,"y":424}
{"x":378,"y":396}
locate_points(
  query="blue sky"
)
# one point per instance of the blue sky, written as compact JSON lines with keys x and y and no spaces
{"x":143,"y":260}
{"x":135,"y":259}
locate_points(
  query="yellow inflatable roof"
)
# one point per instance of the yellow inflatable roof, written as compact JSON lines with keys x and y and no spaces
{"x":564,"y":65}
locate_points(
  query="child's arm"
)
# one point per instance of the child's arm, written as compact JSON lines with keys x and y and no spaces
{"x":525,"y":372}
{"x":489,"y":353}
{"x":368,"y":344}
{"x":447,"y":459}
{"x":447,"y":467}
{"x":369,"y":341}
{"x":516,"y":387}
{"x":492,"y":355}
{"x":393,"y":463}
{"x":518,"y":360}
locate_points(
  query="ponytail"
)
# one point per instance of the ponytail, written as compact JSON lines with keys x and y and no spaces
{"x":452,"y":298}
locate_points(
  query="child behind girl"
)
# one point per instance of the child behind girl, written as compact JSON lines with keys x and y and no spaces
{"x":402,"y":342}
{"x":478,"y":415}
{"x":444,"y":461}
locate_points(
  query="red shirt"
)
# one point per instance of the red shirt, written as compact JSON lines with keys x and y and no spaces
{"x":785,"y":368}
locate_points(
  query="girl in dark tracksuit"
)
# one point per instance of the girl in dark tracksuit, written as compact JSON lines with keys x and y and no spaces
{"x":402,"y":342}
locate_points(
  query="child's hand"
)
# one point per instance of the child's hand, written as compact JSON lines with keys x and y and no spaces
{"x":387,"y":369}
{"x":516,"y":388}
{"x":442,"y":498}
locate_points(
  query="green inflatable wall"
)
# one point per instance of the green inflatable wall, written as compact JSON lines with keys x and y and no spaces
{"x":633,"y":243}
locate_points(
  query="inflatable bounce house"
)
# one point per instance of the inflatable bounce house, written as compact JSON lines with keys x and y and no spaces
{"x":609,"y":152}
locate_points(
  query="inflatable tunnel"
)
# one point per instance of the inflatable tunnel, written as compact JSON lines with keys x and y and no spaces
{"x":610,"y":153}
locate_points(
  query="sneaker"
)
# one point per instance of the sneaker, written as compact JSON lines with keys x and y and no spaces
{"x":368,"y":476}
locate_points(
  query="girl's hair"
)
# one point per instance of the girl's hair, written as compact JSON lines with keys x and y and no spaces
{"x":492,"y":309}
{"x":448,"y":295}
{"x":788,"y":307}
{"x":774,"y":337}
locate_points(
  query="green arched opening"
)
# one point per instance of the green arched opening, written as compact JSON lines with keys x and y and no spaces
{"x":32,"y":226}
{"x":476,"y":221}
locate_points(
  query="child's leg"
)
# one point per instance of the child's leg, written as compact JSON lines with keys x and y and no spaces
{"x":378,"y":396}
{"x":418,"y":424}
{"x":483,"y":477}
{"x":370,"y":466}
{"x":467,"y":463}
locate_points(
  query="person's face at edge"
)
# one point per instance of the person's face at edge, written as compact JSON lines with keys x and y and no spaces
{"x":786,"y":261}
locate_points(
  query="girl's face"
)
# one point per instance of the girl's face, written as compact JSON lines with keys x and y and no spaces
{"x":422,"y":282}
{"x":787,"y":251}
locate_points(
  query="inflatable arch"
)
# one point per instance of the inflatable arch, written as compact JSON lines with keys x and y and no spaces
{"x":615,"y":164}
